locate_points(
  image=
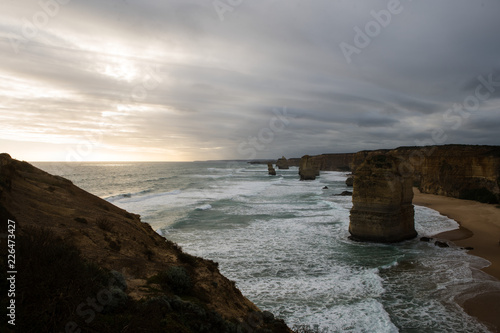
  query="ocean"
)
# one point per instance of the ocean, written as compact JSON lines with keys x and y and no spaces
{"x":285,"y":244}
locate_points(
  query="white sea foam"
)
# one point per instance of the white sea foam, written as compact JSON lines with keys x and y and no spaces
{"x":429,"y":222}
{"x":334,"y":176}
{"x":285,"y":243}
{"x":142,"y":196}
{"x":204,"y":207}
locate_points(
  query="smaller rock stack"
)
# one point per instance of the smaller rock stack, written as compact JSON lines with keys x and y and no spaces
{"x":270,"y":169}
{"x":282,"y":163}
{"x":382,"y":201}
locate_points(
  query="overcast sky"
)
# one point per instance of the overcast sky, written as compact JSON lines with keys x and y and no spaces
{"x":238,"y":79}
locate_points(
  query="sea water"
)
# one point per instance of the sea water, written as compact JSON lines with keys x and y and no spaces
{"x":285,"y":244}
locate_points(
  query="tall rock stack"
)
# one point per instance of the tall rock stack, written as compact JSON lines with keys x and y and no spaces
{"x":270,"y":169}
{"x":382,"y":201}
{"x":308,"y":169}
{"x":282,"y":163}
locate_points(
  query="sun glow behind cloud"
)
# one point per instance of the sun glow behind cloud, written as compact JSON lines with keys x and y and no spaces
{"x":167,"y":80}
{"x":85,"y":130}
{"x":120,"y":69}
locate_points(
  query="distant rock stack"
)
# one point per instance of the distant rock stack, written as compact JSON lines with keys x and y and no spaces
{"x":382,"y":201}
{"x":308,"y":170}
{"x":282,"y":163}
{"x":349,"y":181}
{"x":270,"y":169}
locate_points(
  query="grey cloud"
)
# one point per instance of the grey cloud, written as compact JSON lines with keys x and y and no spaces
{"x":490,"y":82}
{"x":220,"y":80}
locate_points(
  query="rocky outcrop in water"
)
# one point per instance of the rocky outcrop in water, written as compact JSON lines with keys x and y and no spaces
{"x":349,"y":181}
{"x":344,"y":194}
{"x":308,"y":169}
{"x":270,"y":169}
{"x":382,"y":201}
{"x":282,"y":163}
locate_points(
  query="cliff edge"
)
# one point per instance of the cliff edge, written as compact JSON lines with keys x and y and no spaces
{"x":459,"y":171}
{"x":162,"y":288}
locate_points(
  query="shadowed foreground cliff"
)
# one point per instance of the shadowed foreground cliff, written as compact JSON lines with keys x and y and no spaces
{"x":85,"y":264}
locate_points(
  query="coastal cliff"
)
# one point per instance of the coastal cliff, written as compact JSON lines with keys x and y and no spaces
{"x":160,"y":288}
{"x":282,"y":163}
{"x":333,"y":162}
{"x":382,"y":201}
{"x":327,"y":162}
{"x":459,"y":171}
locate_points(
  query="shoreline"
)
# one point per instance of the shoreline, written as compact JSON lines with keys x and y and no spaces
{"x":479,"y":228}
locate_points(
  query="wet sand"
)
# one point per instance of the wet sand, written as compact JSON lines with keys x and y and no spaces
{"x":480,"y":230}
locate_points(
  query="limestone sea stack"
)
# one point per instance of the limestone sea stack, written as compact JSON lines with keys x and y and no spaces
{"x":282,"y":163}
{"x":270,"y":169}
{"x":308,"y":169}
{"x":382,"y":201}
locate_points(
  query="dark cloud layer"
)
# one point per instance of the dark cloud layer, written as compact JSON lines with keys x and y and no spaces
{"x":184,"y":80}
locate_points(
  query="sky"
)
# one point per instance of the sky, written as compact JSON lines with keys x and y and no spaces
{"x":184,"y":80}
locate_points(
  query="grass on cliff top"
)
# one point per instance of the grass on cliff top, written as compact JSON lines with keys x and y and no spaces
{"x":175,"y":278}
{"x":59,"y":291}
{"x":52,"y":281}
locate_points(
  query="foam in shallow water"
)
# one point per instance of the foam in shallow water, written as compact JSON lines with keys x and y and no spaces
{"x":302,"y":267}
{"x":204,"y":207}
{"x":285,"y":244}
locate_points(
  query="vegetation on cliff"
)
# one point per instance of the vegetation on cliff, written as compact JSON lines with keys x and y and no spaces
{"x":85,"y":264}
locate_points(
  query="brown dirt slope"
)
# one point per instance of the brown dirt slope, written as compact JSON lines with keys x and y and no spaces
{"x":112,"y":238}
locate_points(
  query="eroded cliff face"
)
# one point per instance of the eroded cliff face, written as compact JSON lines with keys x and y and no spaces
{"x":330,"y":162}
{"x":459,"y":171}
{"x":294,"y":162}
{"x":382,"y":201}
{"x":115,"y":239}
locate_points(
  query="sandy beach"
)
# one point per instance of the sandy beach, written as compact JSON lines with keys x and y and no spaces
{"x":480,"y":230}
